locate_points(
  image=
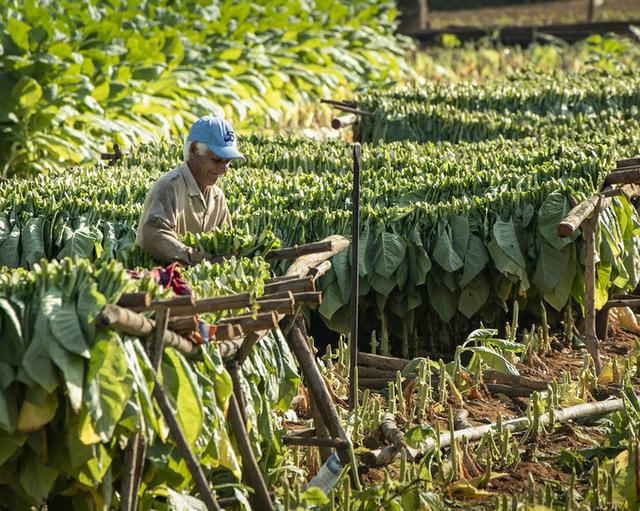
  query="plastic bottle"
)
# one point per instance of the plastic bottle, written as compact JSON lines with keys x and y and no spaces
{"x":327,"y":475}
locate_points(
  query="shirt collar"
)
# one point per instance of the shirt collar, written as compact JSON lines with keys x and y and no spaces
{"x":192,"y":186}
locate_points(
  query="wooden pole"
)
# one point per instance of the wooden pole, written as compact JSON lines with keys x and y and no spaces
{"x":591,"y":9}
{"x":260,"y":499}
{"x":291,"y":252}
{"x":303,"y":285}
{"x":321,"y":396}
{"x":355,"y":278}
{"x":183,"y":445}
{"x":591,"y":340}
{"x":343,"y":121}
{"x":128,"y":322}
{"x":219,"y":303}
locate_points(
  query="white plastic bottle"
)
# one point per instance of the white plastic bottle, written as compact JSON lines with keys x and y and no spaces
{"x":327,"y":475}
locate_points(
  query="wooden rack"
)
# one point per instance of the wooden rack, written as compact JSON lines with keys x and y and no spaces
{"x":235,"y":336}
{"x":625,"y":180}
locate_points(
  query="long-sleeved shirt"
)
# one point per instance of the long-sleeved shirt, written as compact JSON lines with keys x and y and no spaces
{"x":174,"y":206}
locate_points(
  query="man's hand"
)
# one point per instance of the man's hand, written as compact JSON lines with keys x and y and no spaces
{"x":195,"y":256}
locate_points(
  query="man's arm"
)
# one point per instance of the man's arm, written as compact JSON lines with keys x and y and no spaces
{"x":157,"y":229}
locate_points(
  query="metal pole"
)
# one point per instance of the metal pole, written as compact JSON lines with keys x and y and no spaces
{"x":355,"y":245}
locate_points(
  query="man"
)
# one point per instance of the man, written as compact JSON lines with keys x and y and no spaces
{"x":187,"y":198}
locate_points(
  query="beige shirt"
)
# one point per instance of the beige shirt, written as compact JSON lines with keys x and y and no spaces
{"x":174,"y":206}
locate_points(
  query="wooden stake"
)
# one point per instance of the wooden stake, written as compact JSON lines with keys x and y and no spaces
{"x":260,"y":499}
{"x":591,"y":340}
{"x":355,"y":279}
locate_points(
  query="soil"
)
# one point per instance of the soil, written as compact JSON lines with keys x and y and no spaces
{"x":537,"y":459}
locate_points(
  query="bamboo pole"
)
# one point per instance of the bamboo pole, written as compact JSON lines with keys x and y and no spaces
{"x":228,"y":332}
{"x":306,"y":298}
{"x":128,"y":322}
{"x":315,"y":272}
{"x":343,"y":121}
{"x":625,"y":176}
{"x":517,"y":425}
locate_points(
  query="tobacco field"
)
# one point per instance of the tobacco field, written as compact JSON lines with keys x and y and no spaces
{"x":471,"y":306}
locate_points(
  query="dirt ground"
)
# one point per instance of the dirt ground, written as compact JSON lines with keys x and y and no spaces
{"x":567,"y":11}
{"x":538,"y":458}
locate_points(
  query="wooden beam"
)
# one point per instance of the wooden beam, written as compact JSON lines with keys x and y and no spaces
{"x":301,"y":285}
{"x":176,"y":301}
{"x":249,"y":323}
{"x":216,"y":304}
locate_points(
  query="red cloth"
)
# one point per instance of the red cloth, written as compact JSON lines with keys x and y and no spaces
{"x":168,"y":277}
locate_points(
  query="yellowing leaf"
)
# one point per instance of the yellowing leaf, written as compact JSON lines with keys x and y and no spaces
{"x":32,"y":417}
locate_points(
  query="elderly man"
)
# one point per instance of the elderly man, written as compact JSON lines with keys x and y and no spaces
{"x":187,"y":198}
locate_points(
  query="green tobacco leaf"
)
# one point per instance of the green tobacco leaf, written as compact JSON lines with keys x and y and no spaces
{"x":419,"y":264}
{"x":81,"y":244}
{"x":64,"y":323}
{"x":474,"y":296}
{"x":12,"y":346}
{"x":551,"y":266}
{"x":37,"y":362}
{"x":559,"y":295}
{"x":32,"y":240}
{"x":108,"y":384}
{"x":553,"y":210}
{"x":186,"y":392}
{"x":383,"y":285}
{"x":36,"y":478}
{"x":508,"y":266}
{"x":390,"y":253}
{"x":27,"y":91}
{"x":493,"y":360}
{"x":19,"y":32}
{"x":505,"y":236}
{"x":444,"y":253}
{"x":460,"y":234}
{"x":9,"y":248}
{"x":443,"y":301}
{"x":342,"y":267}
{"x":475,"y":260}
{"x":331,"y":301}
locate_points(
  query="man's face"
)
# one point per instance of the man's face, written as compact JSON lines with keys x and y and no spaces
{"x":207,"y":168}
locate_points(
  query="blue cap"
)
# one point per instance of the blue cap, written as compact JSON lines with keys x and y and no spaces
{"x":217,"y":134}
